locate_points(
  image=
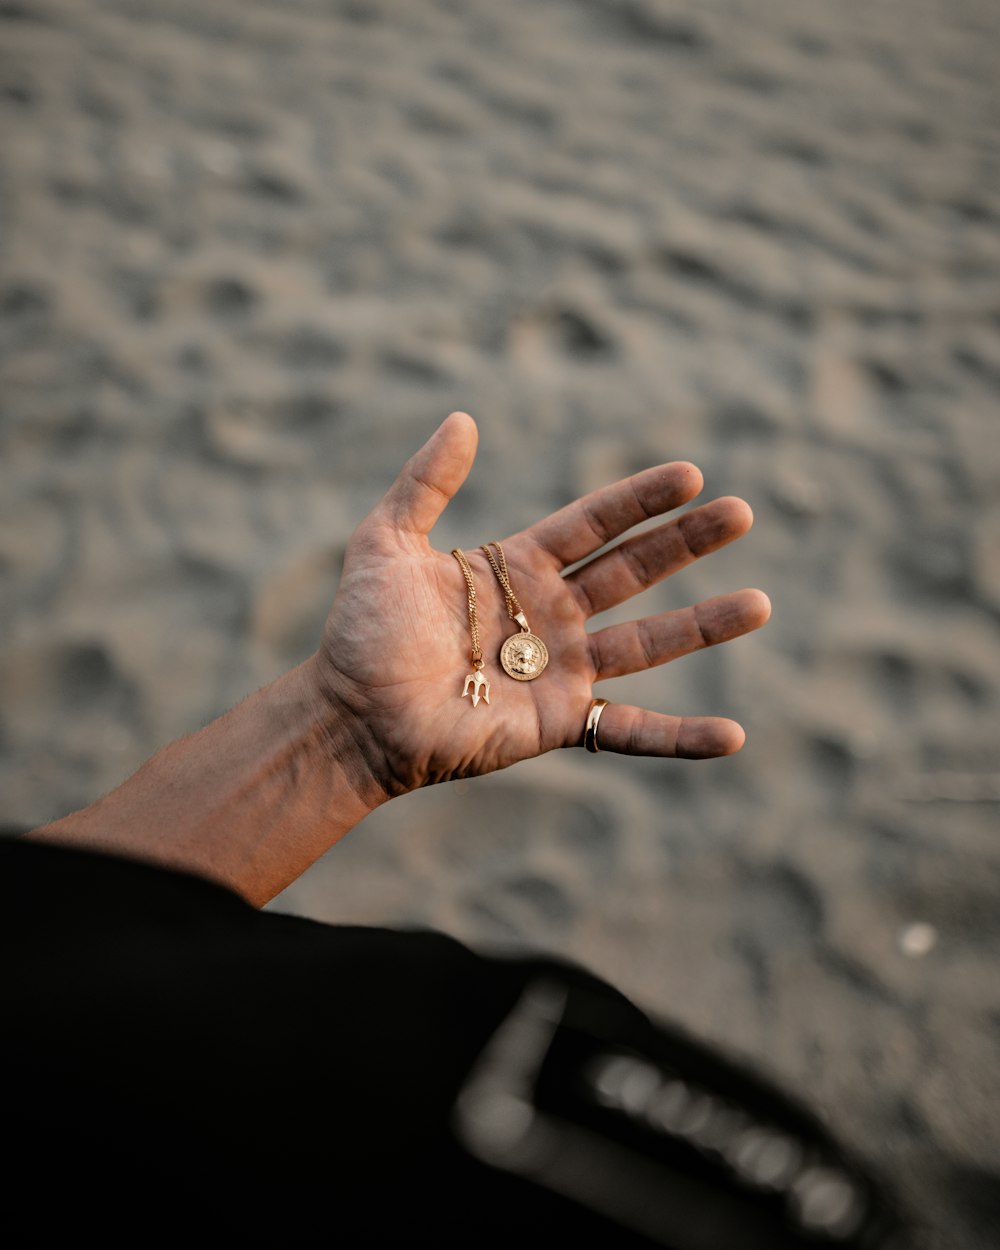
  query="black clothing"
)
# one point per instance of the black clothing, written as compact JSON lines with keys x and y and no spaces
{"x":181,"y":1065}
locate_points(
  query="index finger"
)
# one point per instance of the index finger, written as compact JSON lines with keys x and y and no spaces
{"x":587,"y":524}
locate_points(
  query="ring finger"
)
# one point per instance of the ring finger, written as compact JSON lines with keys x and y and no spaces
{"x":628,"y":730}
{"x":635,"y":646}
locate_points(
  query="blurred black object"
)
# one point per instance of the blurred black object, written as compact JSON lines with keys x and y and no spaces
{"x":659,"y":1134}
{"x":179,"y":1064}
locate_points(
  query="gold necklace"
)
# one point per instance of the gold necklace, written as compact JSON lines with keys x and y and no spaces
{"x":524,"y":655}
{"x":475,"y":683}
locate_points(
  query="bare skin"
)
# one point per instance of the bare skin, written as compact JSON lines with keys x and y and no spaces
{"x":258,"y":795}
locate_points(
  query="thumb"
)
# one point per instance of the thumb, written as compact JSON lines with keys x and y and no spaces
{"x":431,"y":476}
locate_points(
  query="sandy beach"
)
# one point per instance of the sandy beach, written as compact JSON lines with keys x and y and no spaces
{"x":252,"y":253}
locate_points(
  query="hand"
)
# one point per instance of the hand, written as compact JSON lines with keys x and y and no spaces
{"x":257,"y":795}
{"x":396,"y":647}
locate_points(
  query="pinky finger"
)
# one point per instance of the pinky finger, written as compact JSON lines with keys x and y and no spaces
{"x":630,"y":730}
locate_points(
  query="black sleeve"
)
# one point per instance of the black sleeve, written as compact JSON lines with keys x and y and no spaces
{"x":179,"y":1063}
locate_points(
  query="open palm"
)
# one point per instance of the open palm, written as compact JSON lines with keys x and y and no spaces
{"x":396,"y":648}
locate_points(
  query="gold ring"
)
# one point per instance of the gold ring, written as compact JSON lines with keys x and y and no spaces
{"x":597,"y":706}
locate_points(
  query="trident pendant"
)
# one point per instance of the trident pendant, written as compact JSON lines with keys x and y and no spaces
{"x":479,"y":685}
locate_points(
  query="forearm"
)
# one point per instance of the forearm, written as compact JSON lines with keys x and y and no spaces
{"x":251,"y":800}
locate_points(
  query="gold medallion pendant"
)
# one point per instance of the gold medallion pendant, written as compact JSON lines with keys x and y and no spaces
{"x":524,"y":656}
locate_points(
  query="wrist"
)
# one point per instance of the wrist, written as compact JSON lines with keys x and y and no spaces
{"x":250,"y":800}
{"x":341,"y":731}
{"x":348,"y":720}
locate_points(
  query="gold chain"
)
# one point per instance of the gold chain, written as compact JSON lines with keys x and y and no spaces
{"x":477,"y":655}
{"x":503,"y":577}
{"x":523,"y":656}
{"x":476,"y":685}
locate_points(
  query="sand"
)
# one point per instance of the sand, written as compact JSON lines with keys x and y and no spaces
{"x":251,"y":253}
